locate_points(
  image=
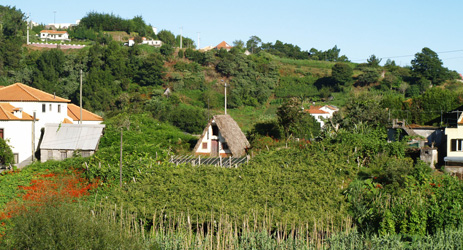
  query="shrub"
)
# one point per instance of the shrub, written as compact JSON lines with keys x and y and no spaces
{"x":66,"y":226}
{"x":6,"y":155}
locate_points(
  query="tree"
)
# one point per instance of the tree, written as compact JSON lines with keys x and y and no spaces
{"x":369,"y":76}
{"x":152,"y":71}
{"x":253,"y":44}
{"x":167,"y":37}
{"x":364,"y":108}
{"x":342,"y":73}
{"x":138,"y":39}
{"x":166,"y":50}
{"x":12,"y":22}
{"x":288,"y":115}
{"x":238,"y":44}
{"x":6,"y":155}
{"x":373,"y":61}
{"x":428,"y":65}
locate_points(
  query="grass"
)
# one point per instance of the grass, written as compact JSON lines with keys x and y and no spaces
{"x":247,"y":116}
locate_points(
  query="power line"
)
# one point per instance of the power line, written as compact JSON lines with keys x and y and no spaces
{"x":390,"y":57}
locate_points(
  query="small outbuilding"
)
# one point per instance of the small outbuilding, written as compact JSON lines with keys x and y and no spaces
{"x":222,"y":137}
{"x":62,"y":141}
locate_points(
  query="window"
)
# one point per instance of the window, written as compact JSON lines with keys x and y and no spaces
{"x":59,"y":108}
{"x":64,"y":155}
{"x":215,"y":130}
{"x":224,"y":146}
{"x":50,"y":154}
{"x":16,"y":158}
{"x":44,"y":108}
{"x":50,"y":107}
{"x":456,"y":145}
{"x":204,"y":145}
{"x":2,"y":133}
{"x":85,"y":154}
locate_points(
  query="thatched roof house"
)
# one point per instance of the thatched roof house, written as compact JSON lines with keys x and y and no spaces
{"x":222,"y":136}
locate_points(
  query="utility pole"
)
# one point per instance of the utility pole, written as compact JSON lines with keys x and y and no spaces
{"x":80,"y":121}
{"x":33,"y":137}
{"x":181,"y":43}
{"x":226,"y":85}
{"x":28,"y":23}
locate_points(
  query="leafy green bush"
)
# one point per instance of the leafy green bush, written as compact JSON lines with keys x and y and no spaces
{"x":6,"y":154}
{"x":67,"y":226}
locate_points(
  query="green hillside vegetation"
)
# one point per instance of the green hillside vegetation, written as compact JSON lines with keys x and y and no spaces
{"x":342,"y":187}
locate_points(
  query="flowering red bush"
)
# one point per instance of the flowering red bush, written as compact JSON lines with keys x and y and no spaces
{"x":44,"y":188}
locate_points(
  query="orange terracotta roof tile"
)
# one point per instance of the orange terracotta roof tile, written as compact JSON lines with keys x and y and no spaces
{"x":53,"y":32}
{"x":460,"y":120}
{"x":67,"y":121}
{"x":315,"y":110}
{"x":223,"y":45}
{"x":74,"y":113}
{"x":7,"y":110}
{"x":19,"y":92}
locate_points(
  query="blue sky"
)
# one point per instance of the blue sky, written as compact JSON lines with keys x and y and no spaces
{"x":389,"y":29}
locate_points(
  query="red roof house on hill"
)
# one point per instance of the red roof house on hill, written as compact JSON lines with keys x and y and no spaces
{"x":322,"y":113}
{"x":223,"y":45}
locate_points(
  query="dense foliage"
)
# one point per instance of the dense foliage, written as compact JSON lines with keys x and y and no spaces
{"x":110,"y":22}
{"x":6,"y":154}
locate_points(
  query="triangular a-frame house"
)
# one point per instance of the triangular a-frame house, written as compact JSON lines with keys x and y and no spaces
{"x":222,"y":136}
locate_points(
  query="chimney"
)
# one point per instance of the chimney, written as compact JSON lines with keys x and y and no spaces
{"x":18,"y":112}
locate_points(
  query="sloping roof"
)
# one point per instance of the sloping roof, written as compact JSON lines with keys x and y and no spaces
{"x":315,"y":110}
{"x":67,"y":121}
{"x":331,"y":107}
{"x":223,"y":45}
{"x":72,"y":136}
{"x":74,"y":113}
{"x":6,"y":113}
{"x":460,"y":119}
{"x":229,"y":129}
{"x":19,"y":92}
{"x":53,"y":32}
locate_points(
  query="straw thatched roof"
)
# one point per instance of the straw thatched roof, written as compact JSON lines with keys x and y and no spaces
{"x":229,"y":129}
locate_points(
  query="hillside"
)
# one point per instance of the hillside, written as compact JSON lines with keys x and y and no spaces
{"x":340,"y":187}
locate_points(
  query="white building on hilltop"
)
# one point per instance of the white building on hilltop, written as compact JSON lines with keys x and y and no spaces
{"x":24,"y":111}
{"x":54,"y":35}
{"x":322,"y":113}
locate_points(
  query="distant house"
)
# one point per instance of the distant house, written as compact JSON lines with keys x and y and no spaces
{"x":54,"y":35}
{"x":207,"y":48}
{"x":62,"y":141}
{"x":454,"y":159}
{"x":155,"y":43}
{"x":222,"y":136}
{"x":19,"y":104}
{"x":322,"y":113}
{"x":223,"y":45}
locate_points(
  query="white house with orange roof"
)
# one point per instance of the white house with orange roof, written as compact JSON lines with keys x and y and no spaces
{"x":322,"y":113}
{"x":54,"y":35}
{"x":223,"y":45}
{"x":19,"y":104}
{"x":155,"y":43}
